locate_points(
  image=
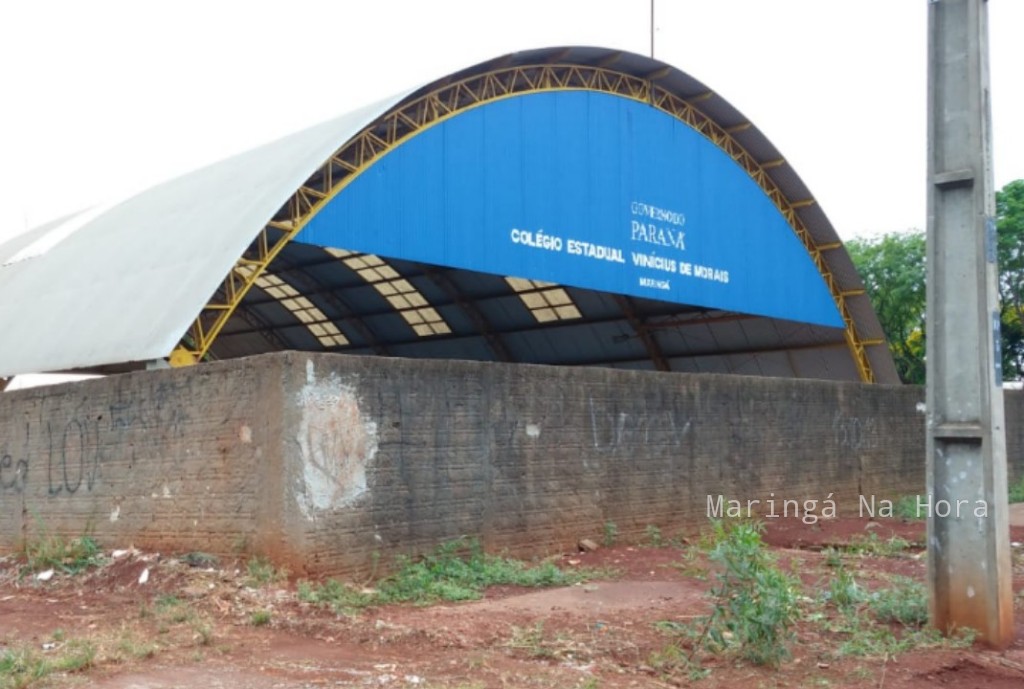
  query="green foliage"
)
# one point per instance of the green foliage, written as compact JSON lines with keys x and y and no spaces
{"x":892,"y":267}
{"x":691,"y":563}
{"x":611,"y":532}
{"x":456,"y":571}
{"x":844,"y":592}
{"x":873,"y":545}
{"x":71,"y":557}
{"x":170,"y":608}
{"x":262,"y":572}
{"x":909,"y":507}
{"x":833,"y":557}
{"x":130,"y":646}
{"x":1010,"y":231}
{"x":672,"y":659}
{"x":259,"y":618}
{"x":865,"y":637}
{"x":653,"y":537}
{"x":341,"y":598}
{"x":1017,"y":490}
{"x":755,"y":602}
{"x":22,"y":666}
{"x":905,"y":603}
{"x":866,"y":624}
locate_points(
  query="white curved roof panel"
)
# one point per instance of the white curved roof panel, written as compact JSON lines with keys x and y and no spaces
{"x":121,"y":283}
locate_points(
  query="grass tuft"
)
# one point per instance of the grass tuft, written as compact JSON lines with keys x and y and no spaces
{"x":23,"y":666}
{"x":458,"y":570}
{"x":54,"y":552}
{"x":262,"y":572}
{"x":259,"y":618}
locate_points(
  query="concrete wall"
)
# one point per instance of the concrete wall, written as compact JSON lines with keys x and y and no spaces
{"x":327,"y":462}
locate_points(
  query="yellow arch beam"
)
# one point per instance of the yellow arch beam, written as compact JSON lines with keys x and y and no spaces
{"x":447,"y":101}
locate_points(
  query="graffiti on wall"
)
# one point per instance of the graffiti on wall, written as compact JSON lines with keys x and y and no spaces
{"x":65,"y":456}
{"x":56,"y":453}
{"x":612,"y":427}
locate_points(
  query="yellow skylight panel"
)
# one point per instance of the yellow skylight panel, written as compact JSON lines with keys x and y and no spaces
{"x":545,"y":300}
{"x":399,"y":301}
{"x":315,"y":320}
{"x":401,"y":294}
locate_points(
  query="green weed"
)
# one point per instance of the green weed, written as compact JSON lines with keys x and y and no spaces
{"x":908,"y":507}
{"x":262,"y":572}
{"x":905,"y":603}
{"x":844,"y":592}
{"x":202,"y":631}
{"x":456,"y":571}
{"x":755,"y":603}
{"x":672,"y":660}
{"x":833,"y":557}
{"x":873,"y":545}
{"x":1016,"y":490}
{"x":867,"y":629}
{"x":171,"y":607}
{"x":691,"y":563}
{"x":611,"y":533}
{"x":22,"y":666}
{"x":259,"y":618}
{"x":652,"y":535}
{"x":54,"y":552}
{"x":131,"y":647}
{"x":333,"y":594}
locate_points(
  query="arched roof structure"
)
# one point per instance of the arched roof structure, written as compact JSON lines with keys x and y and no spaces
{"x":315,"y":241}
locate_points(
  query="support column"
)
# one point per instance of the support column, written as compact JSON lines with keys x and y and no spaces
{"x":969,"y":568}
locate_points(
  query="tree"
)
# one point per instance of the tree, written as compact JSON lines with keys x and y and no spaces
{"x":892,"y":267}
{"x":1010,"y":230}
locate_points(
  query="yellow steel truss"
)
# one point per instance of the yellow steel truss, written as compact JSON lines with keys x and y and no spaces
{"x":450,"y":99}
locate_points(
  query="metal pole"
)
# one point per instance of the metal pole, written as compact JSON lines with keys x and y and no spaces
{"x":652,"y":29}
{"x":969,"y":569}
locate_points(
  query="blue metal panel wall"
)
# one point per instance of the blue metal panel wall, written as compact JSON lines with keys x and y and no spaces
{"x":584,"y":189}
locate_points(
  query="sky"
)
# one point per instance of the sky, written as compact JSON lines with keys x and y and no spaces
{"x":103,"y":98}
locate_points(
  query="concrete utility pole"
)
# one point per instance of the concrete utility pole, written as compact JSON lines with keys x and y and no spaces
{"x":969,"y":568}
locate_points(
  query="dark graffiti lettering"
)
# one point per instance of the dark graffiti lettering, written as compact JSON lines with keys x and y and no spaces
{"x":73,"y":448}
{"x":13,"y":473}
{"x":14,"y":466}
{"x":65,"y":448}
{"x":72,"y":458}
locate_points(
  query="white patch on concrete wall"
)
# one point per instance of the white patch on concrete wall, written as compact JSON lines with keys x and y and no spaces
{"x":115,"y":513}
{"x":533,"y":430}
{"x":245,"y":433}
{"x":336,"y":442}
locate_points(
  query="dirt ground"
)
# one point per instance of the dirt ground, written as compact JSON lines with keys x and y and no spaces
{"x":213,"y":626}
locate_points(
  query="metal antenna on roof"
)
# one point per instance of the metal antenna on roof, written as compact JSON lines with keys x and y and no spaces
{"x":652,"y":29}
